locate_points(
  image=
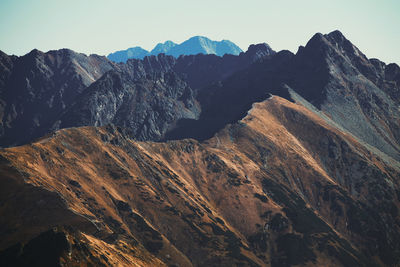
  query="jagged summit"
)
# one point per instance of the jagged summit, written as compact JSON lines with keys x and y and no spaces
{"x":257,"y":51}
{"x":192,"y":46}
{"x":162,"y":47}
{"x":124,"y":55}
{"x":203,"y":45}
{"x":334,"y":40}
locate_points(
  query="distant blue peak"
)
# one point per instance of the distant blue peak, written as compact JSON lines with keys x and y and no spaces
{"x":194,"y":45}
{"x":199,"y":37}
{"x":136,"y":48}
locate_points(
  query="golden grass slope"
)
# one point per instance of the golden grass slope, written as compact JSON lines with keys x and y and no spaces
{"x":279,"y":182}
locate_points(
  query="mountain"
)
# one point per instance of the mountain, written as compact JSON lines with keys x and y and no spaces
{"x":203,"y":45}
{"x":36,"y":87}
{"x":355,"y":94}
{"x":329,"y":75}
{"x":124,"y":55}
{"x":280,"y":187}
{"x":146,"y":106}
{"x":149,"y":97}
{"x":162,"y":48}
{"x":193,"y":46}
{"x":42,"y":92}
{"x":259,"y":159}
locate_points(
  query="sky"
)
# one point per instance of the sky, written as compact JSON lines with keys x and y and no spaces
{"x":105,"y":26}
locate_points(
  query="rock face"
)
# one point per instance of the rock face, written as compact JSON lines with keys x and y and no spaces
{"x":267,"y":159}
{"x":41,"y":92}
{"x":354,"y":92}
{"x":193,"y":46}
{"x":35,"y":88}
{"x":150,"y":96}
{"x":329,"y":74}
{"x":146,"y":106}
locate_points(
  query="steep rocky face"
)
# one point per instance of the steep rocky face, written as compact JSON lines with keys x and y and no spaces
{"x":203,"y":70}
{"x":146,"y":107}
{"x":6,"y":65}
{"x":36,"y":87}
{"x":41,"y":92}
{"x":329,"y":73}
{"x":281,"y":187}
{"x":259,"y":51}
{"x":148,"y":97}
{"x":357,"y":93}
{"x":228,"y":101}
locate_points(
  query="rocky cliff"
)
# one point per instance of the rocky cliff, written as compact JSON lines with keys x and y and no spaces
{"x":41,"y":92}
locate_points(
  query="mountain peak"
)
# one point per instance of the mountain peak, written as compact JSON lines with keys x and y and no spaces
{"x":199,"y":37}
{"x":336,"y":40}
{"x":162,"y":47}
{"x":124,"y":55}
{"x":262,"y":46}
{"x":194,"y":45}
{"x":331,"y":43}
{"x":34,"y":52}
{"x":257,"y":51}
{"x":336,"y":35}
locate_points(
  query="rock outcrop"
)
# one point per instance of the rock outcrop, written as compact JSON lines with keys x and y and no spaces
{"x":35,"y":88}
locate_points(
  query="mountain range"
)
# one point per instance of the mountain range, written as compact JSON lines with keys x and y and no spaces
{"x":192,"y":46}
{"x":263,"y":158}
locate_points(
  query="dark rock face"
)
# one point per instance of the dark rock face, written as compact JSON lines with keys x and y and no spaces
{"x":44,"y":250}
{"x":36,"y":87}
{"x":330,"y":73}
{"x":41,"y":92}
{"x":147,"y":107}
{"x":358,"y":94}
{"x":229,"y":100}
{"x":202,"y":70}
{"x":259,"y":51}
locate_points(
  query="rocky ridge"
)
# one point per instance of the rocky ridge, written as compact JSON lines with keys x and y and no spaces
{"x":41,"y":92}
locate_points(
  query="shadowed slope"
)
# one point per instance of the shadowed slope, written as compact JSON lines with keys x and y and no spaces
{"x":38,"y":86}
{"x":41,"y":91}
{"x":359,"y":94}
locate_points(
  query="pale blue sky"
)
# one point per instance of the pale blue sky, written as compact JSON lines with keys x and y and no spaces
{"x":104,"y":26}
